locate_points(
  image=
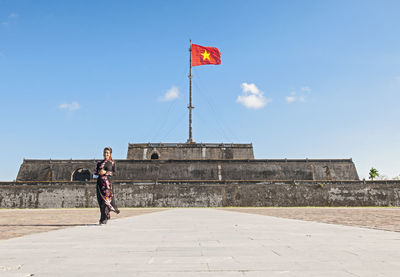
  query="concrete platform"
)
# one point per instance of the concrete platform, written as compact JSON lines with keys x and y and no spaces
{"x":204,"y":242}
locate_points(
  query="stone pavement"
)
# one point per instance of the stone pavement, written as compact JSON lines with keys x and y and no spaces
{"x":21,"y":222}
{"x":204,"y":242}
{"x":382,"y":218}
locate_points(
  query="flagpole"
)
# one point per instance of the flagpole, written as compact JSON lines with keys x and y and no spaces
{"x":190,"y":107}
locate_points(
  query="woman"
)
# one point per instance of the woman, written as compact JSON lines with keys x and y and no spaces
{"x":105,"y":196}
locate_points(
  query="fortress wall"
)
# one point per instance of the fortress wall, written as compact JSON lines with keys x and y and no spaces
{"x":203,"y":194}
{"x":185,"y":151}
{"x":52,"y":170}
{"x":62,"y":170}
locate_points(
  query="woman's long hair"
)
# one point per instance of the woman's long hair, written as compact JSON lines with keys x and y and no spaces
{"x":109,"y":149}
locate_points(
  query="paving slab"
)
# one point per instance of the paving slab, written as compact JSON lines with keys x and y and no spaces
{"x":203,"y":242}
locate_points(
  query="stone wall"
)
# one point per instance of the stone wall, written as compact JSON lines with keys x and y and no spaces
{"x":217,"y":170}
{"x":190,"y":151}
{"x":203,"y":194}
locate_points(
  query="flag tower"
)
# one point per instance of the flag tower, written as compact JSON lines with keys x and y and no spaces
{"x":201,"y":55}
{"x":190,"y":107}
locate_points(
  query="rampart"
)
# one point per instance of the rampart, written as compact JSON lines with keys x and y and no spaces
{"x":190,"y":151}
{"x":203,"y":194}
{"x":195,"y":170}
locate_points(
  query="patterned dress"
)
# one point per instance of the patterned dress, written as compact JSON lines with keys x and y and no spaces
{"x":105,"y":196}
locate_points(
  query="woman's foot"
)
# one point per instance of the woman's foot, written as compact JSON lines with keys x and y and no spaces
{"x":101,"y":222}
{"x":117,"y":211}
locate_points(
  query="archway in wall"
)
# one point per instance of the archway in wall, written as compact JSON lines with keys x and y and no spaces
{"x":154,"y":156}
{"x":81,"y":174}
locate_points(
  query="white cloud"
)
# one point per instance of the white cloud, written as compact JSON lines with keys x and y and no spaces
{"x":70,"y":107}
{"x":5,"y":23}
{"x":170,"y":94}
{"x":252,"y":88}
{"x":13,"y":15}
{"x":291,"y":98}
{"x":300,"y":96}
{"x":252,"y":97}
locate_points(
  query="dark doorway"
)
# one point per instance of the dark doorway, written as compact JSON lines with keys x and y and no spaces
{"x":81,"y":174}
{"x":154,"y":156}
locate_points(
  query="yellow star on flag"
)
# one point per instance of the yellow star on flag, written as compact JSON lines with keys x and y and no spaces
{"x":206,"y":55}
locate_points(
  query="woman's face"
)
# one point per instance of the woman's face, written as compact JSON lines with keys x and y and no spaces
{"x":107,"y":154}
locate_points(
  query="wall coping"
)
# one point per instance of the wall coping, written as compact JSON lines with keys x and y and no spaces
{"x":189,"y":161}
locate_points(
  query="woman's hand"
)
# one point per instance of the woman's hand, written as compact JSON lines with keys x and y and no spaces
{"x":102,"y":172}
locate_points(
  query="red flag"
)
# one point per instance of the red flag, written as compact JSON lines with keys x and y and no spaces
{"x":205,"y":55}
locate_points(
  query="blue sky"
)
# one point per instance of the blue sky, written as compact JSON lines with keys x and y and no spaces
{"x":298,"y":79}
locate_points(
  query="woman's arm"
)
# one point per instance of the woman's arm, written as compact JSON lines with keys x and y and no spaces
{"x":99,"y":171}
{"x":110,"y":172}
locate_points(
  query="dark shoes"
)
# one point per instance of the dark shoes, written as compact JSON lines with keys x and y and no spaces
{"x":108,"y":217}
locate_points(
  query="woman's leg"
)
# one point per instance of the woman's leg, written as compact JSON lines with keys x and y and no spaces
{"x":102,"y":206}
{"x":114,"y":205}
{"x":107,"y":212}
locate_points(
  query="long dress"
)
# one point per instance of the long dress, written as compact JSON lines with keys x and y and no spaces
{"x":105,"y":196}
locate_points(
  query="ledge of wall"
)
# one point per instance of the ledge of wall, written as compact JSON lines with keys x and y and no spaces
{"x":203,"y":194}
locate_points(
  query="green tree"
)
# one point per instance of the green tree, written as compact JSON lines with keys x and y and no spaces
{"x":373,"y":173}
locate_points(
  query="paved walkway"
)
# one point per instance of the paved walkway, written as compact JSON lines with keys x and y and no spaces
{"x":382,"y":218}
{"x":204,"y":242}
{"x":21,"y":222}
